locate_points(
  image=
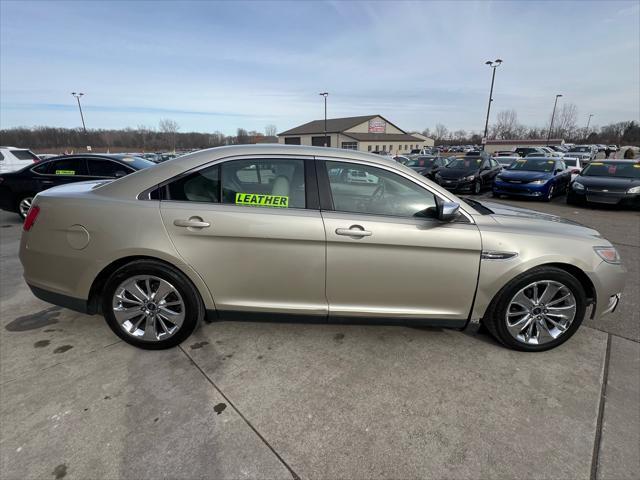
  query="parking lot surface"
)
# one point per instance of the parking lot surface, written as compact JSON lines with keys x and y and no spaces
{"x":286,"y":400}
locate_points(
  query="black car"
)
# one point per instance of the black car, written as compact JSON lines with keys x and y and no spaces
{"x":427,"y":165}
{"x":17,"y":189}
{"x":612,"y":182}
{"x":469,"y":174}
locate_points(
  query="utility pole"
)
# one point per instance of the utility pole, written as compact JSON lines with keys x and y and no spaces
{"x":325,"y":95}
{"x":586,"y":130}
{"x":552,"y":117}
{"x":493,"y":64}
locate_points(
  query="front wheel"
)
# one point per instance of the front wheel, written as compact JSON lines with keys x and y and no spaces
{"x":538,"y":310}
{"x":151,"y":305}
{"x":477,"y":187}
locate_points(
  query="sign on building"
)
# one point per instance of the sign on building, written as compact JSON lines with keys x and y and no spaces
{"x":377,"y":126}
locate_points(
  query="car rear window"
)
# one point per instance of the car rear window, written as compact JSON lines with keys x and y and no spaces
{"x":24,"y":155}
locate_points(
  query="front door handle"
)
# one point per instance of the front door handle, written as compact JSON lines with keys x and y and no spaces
{"x":193,"y":222}
{"x":353,"y":231}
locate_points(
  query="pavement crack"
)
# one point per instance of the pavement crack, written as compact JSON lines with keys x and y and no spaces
{"x":294,"y":475}
{"x":595,"y":457}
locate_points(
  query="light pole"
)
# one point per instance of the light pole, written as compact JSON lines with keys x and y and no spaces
{"x":552,"y":117}
{"x":84,"y":127}
{"x":586,"y":130}
{"x":325,"y":95}
{"x":493,"y":64}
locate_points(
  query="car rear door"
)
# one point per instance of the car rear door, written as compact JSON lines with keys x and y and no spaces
{"x":106,"y":168}
{"x":387,"y":260}
{"x":60,"y":172}
{"x":252,"y":229}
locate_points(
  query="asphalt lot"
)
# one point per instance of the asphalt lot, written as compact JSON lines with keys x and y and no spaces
{"x":283,"y":400}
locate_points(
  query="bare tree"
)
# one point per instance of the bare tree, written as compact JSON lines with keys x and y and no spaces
{"x":145,"y":133}
{"x":270,"y":130}
{"x":506,"y":125}
{"x":170,"y":130}
{"x":565,"y":121}
{"x":427,"y":133}
{"x":440,"y":133}
{"x":242,"y":136}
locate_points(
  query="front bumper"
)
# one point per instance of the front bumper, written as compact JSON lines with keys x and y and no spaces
{"x":609,"y":281}
{"x":455,"y":185}
{"x":520,"y":189}
{"x":604,"y":198}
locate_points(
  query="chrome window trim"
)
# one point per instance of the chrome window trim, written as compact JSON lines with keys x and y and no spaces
{"x":467,"y":215}
{"x":145,"y":194}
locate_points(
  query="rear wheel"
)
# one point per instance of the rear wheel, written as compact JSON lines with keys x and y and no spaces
{"x":24,"y":204}
{"x":151,"y":305}
{"x":538,"y":310}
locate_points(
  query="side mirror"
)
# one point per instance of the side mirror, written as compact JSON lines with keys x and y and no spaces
{"x":557,"y":171}
{"x":447,"y":211}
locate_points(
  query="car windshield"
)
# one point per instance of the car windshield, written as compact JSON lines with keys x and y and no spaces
{"x":612,"y":169}
{"x":464,"y":164}
{"x":421,"y":162}
{"x":581,"y":149}
{"x":570,"y":162}
{"x":533,"y":165}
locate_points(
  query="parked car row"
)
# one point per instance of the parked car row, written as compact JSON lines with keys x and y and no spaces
{"x":534,"y":176}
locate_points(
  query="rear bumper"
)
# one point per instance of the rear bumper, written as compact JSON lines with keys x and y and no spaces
{"x":76,"y":304}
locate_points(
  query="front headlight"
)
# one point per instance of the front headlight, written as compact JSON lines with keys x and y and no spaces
{"x":608,"y":254}
{"x":634,"y":189}
{"x":538,"y":182}
{"x":577,"y":186}
{"x":470,"y":178}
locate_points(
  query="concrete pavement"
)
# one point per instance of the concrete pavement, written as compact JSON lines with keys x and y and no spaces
{"x":282,"y":400}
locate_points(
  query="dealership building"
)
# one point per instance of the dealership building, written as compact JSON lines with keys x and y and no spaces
{"x":371,"y":133}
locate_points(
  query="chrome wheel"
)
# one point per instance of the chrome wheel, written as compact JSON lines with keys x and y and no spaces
{"x":148,"y":308}
{"x":541,"y":312}
{"x":24,"y":206}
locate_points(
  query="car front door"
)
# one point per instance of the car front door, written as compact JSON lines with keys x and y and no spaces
{"x":105,"y":168}
{"x":387,"y":255}
{"x":252,"y":229}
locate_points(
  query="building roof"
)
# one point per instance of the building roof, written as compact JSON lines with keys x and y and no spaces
{"x":383,"y":137}
{"x":334,"y":125}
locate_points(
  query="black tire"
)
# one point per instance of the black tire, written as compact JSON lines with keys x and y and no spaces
{"x":194,"y":307}
{"x":496,"y":195}
{"x":495,"y":316}
{"x":477,"y":188}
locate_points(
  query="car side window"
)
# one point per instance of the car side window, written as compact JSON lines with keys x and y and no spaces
{"x":369,"y":190}
{"x":66,"y":167}
{"x":274,"y":183}
{"x":200,"y":186}
{"x":106,"y":168}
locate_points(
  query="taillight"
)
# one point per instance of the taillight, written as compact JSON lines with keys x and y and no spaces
{"x":31,"y":218}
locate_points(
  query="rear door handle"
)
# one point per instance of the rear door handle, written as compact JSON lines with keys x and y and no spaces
{"x":47,"y":182}
{"x":353,"y":231}
{"x":193,"y":222}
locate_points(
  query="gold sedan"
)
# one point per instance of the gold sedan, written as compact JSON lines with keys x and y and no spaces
{"x":278,"y":231}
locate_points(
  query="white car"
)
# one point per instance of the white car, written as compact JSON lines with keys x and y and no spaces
{"x":12,"y":159}
{"x":574,"y":164}
{"x":47,"y":156}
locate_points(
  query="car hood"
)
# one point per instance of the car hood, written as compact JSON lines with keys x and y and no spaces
{"x":455,"y":173}
{"x":577,"y":155}
{"x":525,"y":175}
{"x":532,"y":221}
{"x":612,"y":182}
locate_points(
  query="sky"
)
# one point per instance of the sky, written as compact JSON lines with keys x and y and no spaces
{"x":222,"y":65}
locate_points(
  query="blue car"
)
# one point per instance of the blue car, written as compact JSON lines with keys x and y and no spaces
{"x":536,"y":177}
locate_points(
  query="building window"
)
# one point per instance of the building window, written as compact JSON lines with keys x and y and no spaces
{"x":369,"y":148}
{"x":320,"y":141}
{"x":292,"y":140}
{"x":350,"y":145}
{"x":406,"y":147}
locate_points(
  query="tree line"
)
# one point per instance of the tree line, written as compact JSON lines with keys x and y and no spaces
{"x":166,"y":136}
{"x":507,"y":127}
